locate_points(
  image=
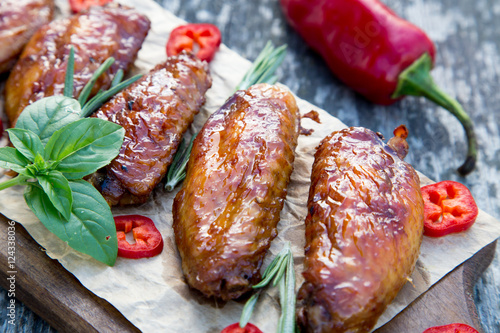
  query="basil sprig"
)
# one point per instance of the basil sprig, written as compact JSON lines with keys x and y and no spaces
{"x":282,"y":272}
{"x":54,"y":147}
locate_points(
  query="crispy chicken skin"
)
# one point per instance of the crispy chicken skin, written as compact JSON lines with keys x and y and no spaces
{"x":101,"y":32}
{"x":363,"y":231}
{"x":19,"y":19}
{"x":226,"y":213}
{"x":155,"y":111}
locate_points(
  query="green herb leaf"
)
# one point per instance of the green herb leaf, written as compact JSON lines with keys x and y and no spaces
{"x":90,"y":228}
{"x":264,"y":67}
{"x":288,"y":305}
{"x":11,"y":158}
{"x":56,"y":187}
{"x":118,"y":78}
{"x":26,"y":142}
{"x":49,"y":114}
{"x":177,"y":170}
{"x":70,"y":70}
{"x":102,"y":97}
{"x":248,"y":309}
{"x":282,"y":271}
{"x":84,"y":95}
{"x":84,"y":146}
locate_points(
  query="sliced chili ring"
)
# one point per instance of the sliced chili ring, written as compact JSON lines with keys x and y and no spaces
{"x":206,"y":37}
{"x":79,"y":5}
{"x":451,"y":328}
{"x":448,"y":208}
{"x":148,"y":239}
{"x":235,"y":328}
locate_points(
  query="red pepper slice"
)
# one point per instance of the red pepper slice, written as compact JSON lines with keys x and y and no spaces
{"x":235,"y":328}
{"x":206,"y":36}
{"x":451,"y":328}
{"x":448,"y":207}
{"x":79,"y":5}
{"x":148,"y":240}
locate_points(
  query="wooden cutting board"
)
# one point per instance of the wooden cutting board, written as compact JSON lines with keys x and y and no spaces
{"x":59,"y":298}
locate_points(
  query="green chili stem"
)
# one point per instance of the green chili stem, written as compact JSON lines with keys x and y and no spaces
{"x":18,"y":180}
{"x":416,"y":80}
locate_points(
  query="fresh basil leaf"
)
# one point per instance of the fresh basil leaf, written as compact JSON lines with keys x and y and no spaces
{"x":84,"y":146}
{"x":56,"y":186}
{"x":49,"y":114}
{"x":12,"y":159}
{"x":26,"y":142}
{"x":90,"y":229}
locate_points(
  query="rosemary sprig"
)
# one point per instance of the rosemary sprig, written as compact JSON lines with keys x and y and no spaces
{"x":281,"y":272}
{"x":264,"y":67}
{"x":88,"y":107}
{"x":177,"y":170}
{"x":261,"y":71}
{"x":84,"y":95}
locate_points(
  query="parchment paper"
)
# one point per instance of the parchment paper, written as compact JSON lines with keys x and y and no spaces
{"x":152,"y":294}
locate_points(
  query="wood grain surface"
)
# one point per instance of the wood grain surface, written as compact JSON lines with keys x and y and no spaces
{"x":467,"y":36}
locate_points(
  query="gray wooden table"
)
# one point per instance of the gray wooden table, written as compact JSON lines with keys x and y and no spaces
{"x":467,"y":35}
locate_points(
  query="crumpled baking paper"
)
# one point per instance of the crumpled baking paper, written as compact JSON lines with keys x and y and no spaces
{"x":152,"y":293}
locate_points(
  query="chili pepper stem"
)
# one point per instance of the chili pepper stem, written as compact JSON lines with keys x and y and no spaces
{"x":416,"y":80}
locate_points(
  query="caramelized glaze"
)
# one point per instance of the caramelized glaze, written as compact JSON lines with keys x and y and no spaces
{"x":226,"y":213}
{"x":363,"y":231}
{"x":19,"y":20}
{"x":97,"y":34}
{"x":155,"y":111}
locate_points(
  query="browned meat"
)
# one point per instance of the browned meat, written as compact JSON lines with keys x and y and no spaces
{"x":226,"y":213}
{"x":155,"y":112}
{"x":19,"y":19}
{"x":363,"y":231}
{"x":102,"y":32}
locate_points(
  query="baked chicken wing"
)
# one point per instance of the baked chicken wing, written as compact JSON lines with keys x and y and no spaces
{"x":363,"y":231}
{"x":19,"y":19}
{"x":226,"y":213}
{"x":97,"y":34}
{"x":155,"y":111}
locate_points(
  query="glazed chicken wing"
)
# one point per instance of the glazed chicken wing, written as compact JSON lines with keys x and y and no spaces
{"x":97,"y":34}
{"x":227,"y":211}
{"x":19,"y":19}
{"x":155,"y":111}
{"x":363,"y":231}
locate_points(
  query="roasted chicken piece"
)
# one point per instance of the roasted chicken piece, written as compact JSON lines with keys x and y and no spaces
{"x":226,"y":213}
{"x":155,"y":111}
{"x":19,"y":19}
{"x":363,"y":231}
{"x":97,"y":34}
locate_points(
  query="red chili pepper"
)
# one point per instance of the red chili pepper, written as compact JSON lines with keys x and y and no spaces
{"x":148,"y":240}
{"x":79,"y":5}
{"x":206,"y":36}
{"x":451,"y":328}
{"x":375,"y":52}
{"x":448,"y":207}
{"x":235,"y":328}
